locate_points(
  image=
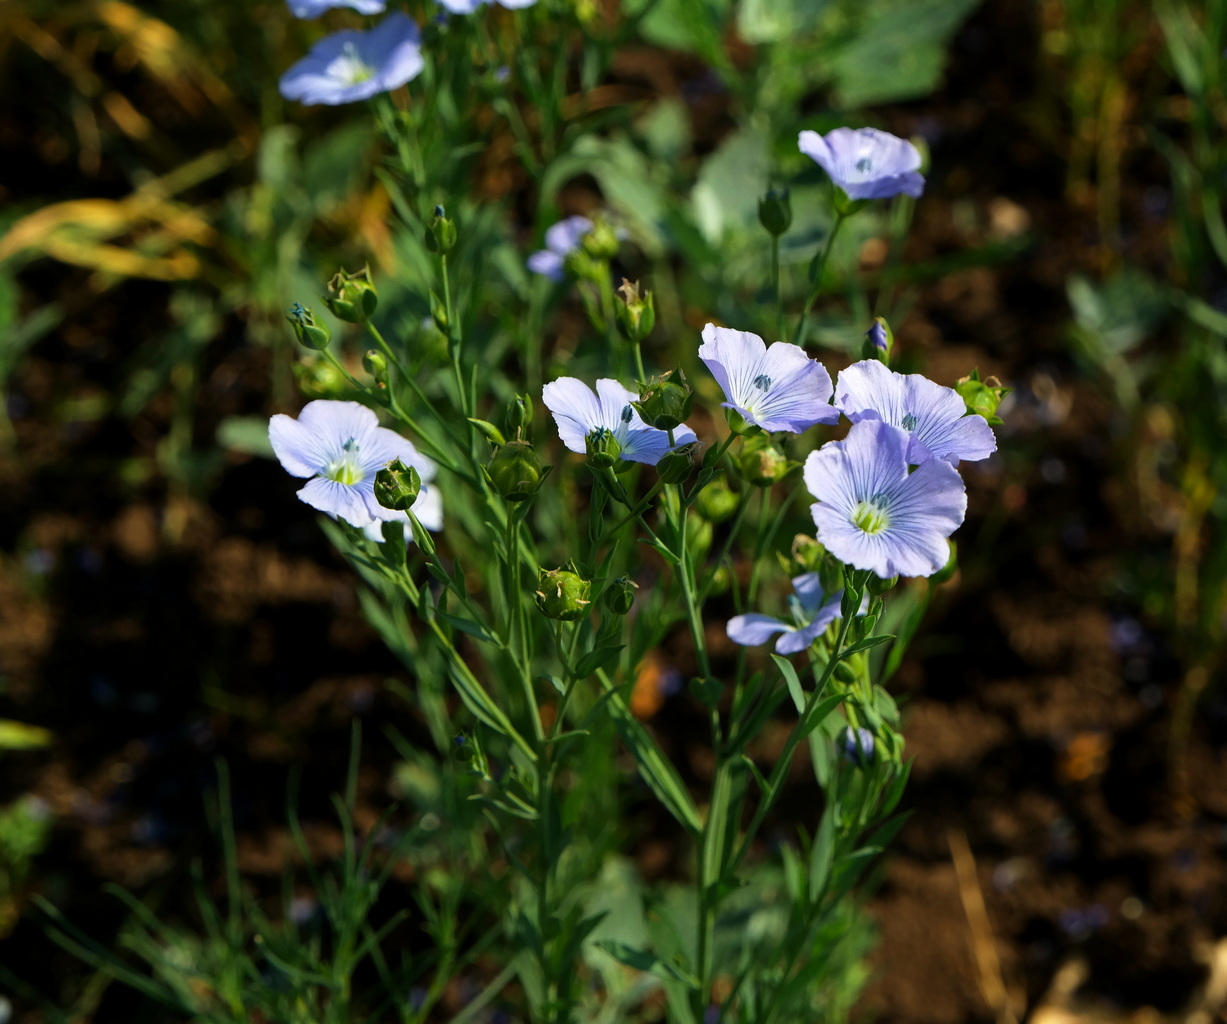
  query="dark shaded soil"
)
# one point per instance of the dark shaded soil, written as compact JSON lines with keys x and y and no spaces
{"x":153,"y":631}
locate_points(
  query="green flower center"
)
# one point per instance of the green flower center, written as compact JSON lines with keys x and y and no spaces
{"x":870,"y":517}
{"x":909,"y":422}
{"x":350,"y":67}
{"x":345,"y":468}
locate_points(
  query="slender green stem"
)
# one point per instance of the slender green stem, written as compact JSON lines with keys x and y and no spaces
{"x":767,"y":800}
{"x":779,"y":285}
{"x":816,"y":285}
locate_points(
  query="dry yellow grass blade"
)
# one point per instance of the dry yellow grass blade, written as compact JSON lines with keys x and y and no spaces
{"x":141,"y":235}
{"x":163,"y":52}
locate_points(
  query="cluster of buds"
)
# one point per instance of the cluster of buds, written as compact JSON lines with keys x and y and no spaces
{"x":982,"y":396}
{"x":665,"y":401}
{"x":351,"y":297}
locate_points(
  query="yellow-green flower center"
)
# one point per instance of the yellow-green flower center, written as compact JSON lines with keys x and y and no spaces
{"x":345,"y":468}
{"x":870,"y":517}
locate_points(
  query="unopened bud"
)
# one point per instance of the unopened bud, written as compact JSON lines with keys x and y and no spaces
{"x":808,"y":553}
{"x":879,"y":341}
{"x":877,"y":585}
{"x":440,"y":232}
{"x":306,"y":330}
{"x":562,"y":594}
{"x":665,"y":402}
{"x":619,"y":596}
{"x":775,"y":211}
{"x":738,"y":423}
{"x":856,"y":745}
{"x":318,"y":378}
{"x":376,"y":365}
{"x":636,"y":313}
{"x":515,"y":470}
{"x":438,"y":313}
{"x":982,"y":396}
{"x":519,"y":415}
{"x":601,"y":242}
{"x":352,"y":297}
{"x":717,"y":501}
{"x":397,"y":486}
{"x":762,"y":462}
{"x":831,"y":574}
{"x":677,"y":465}
{"x":603,"y":448}
{"x":578,"y":264}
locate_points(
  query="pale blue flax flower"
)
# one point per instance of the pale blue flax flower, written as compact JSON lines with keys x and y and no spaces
{"x":872,"y":513}
{"x":469,"y":6}
{"x":935,"y":417}
{"x":314,"y":8}
{"x":812,"y":611}
{"x":776,"y":388}
{"x":341,"y":446}
{"x":579,"y":412}
{"x":866,"y":163}
{"x":349,"y":66}
{"x":561,"y":240}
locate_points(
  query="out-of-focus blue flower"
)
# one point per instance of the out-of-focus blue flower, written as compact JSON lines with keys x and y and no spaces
{"x":314,"y":8}
{"x":776,"y":388}
{"x":812,"y":611}
{"x":866,"y":163}
{"x":341,"y":446}
{"x":561,"y":240}
{"x":349,"y":66}
{"x":469,"y":6}
{"x":873,"y":514}
{"x":579,"y":411}
{"x":934,"y":417}
{"x":856,"y":745}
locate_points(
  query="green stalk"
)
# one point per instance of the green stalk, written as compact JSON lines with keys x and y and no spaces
{"x":816,"y":285}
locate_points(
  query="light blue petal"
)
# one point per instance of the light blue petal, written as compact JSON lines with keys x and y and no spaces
{"x":462,"y":6}
{"x":429,"y":508}
{"x":735,"y":359}
{"x":349,"y":66}
{"x":344,"y":500}
{"x":565,"y":236}
{"x":547,"y":263}
{"x":754,"y":629}
{"x":799,"y":394}
{"x":314,"y":8}
{"x":866,"y":163}
{"x":922,"y":508}
{"x":935,"y":416}
{"x":300,"y":450}
{"x":575,"y":409}
{"x":808,"y":590}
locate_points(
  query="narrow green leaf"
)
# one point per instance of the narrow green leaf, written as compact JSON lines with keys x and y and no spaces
{"x":649,"y":963}
{"x":493,"y":434}
{"x":864,"y":645}
{"x":467,"y":626}
{"x":654,"y":768}
{"x":600,"y":658}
